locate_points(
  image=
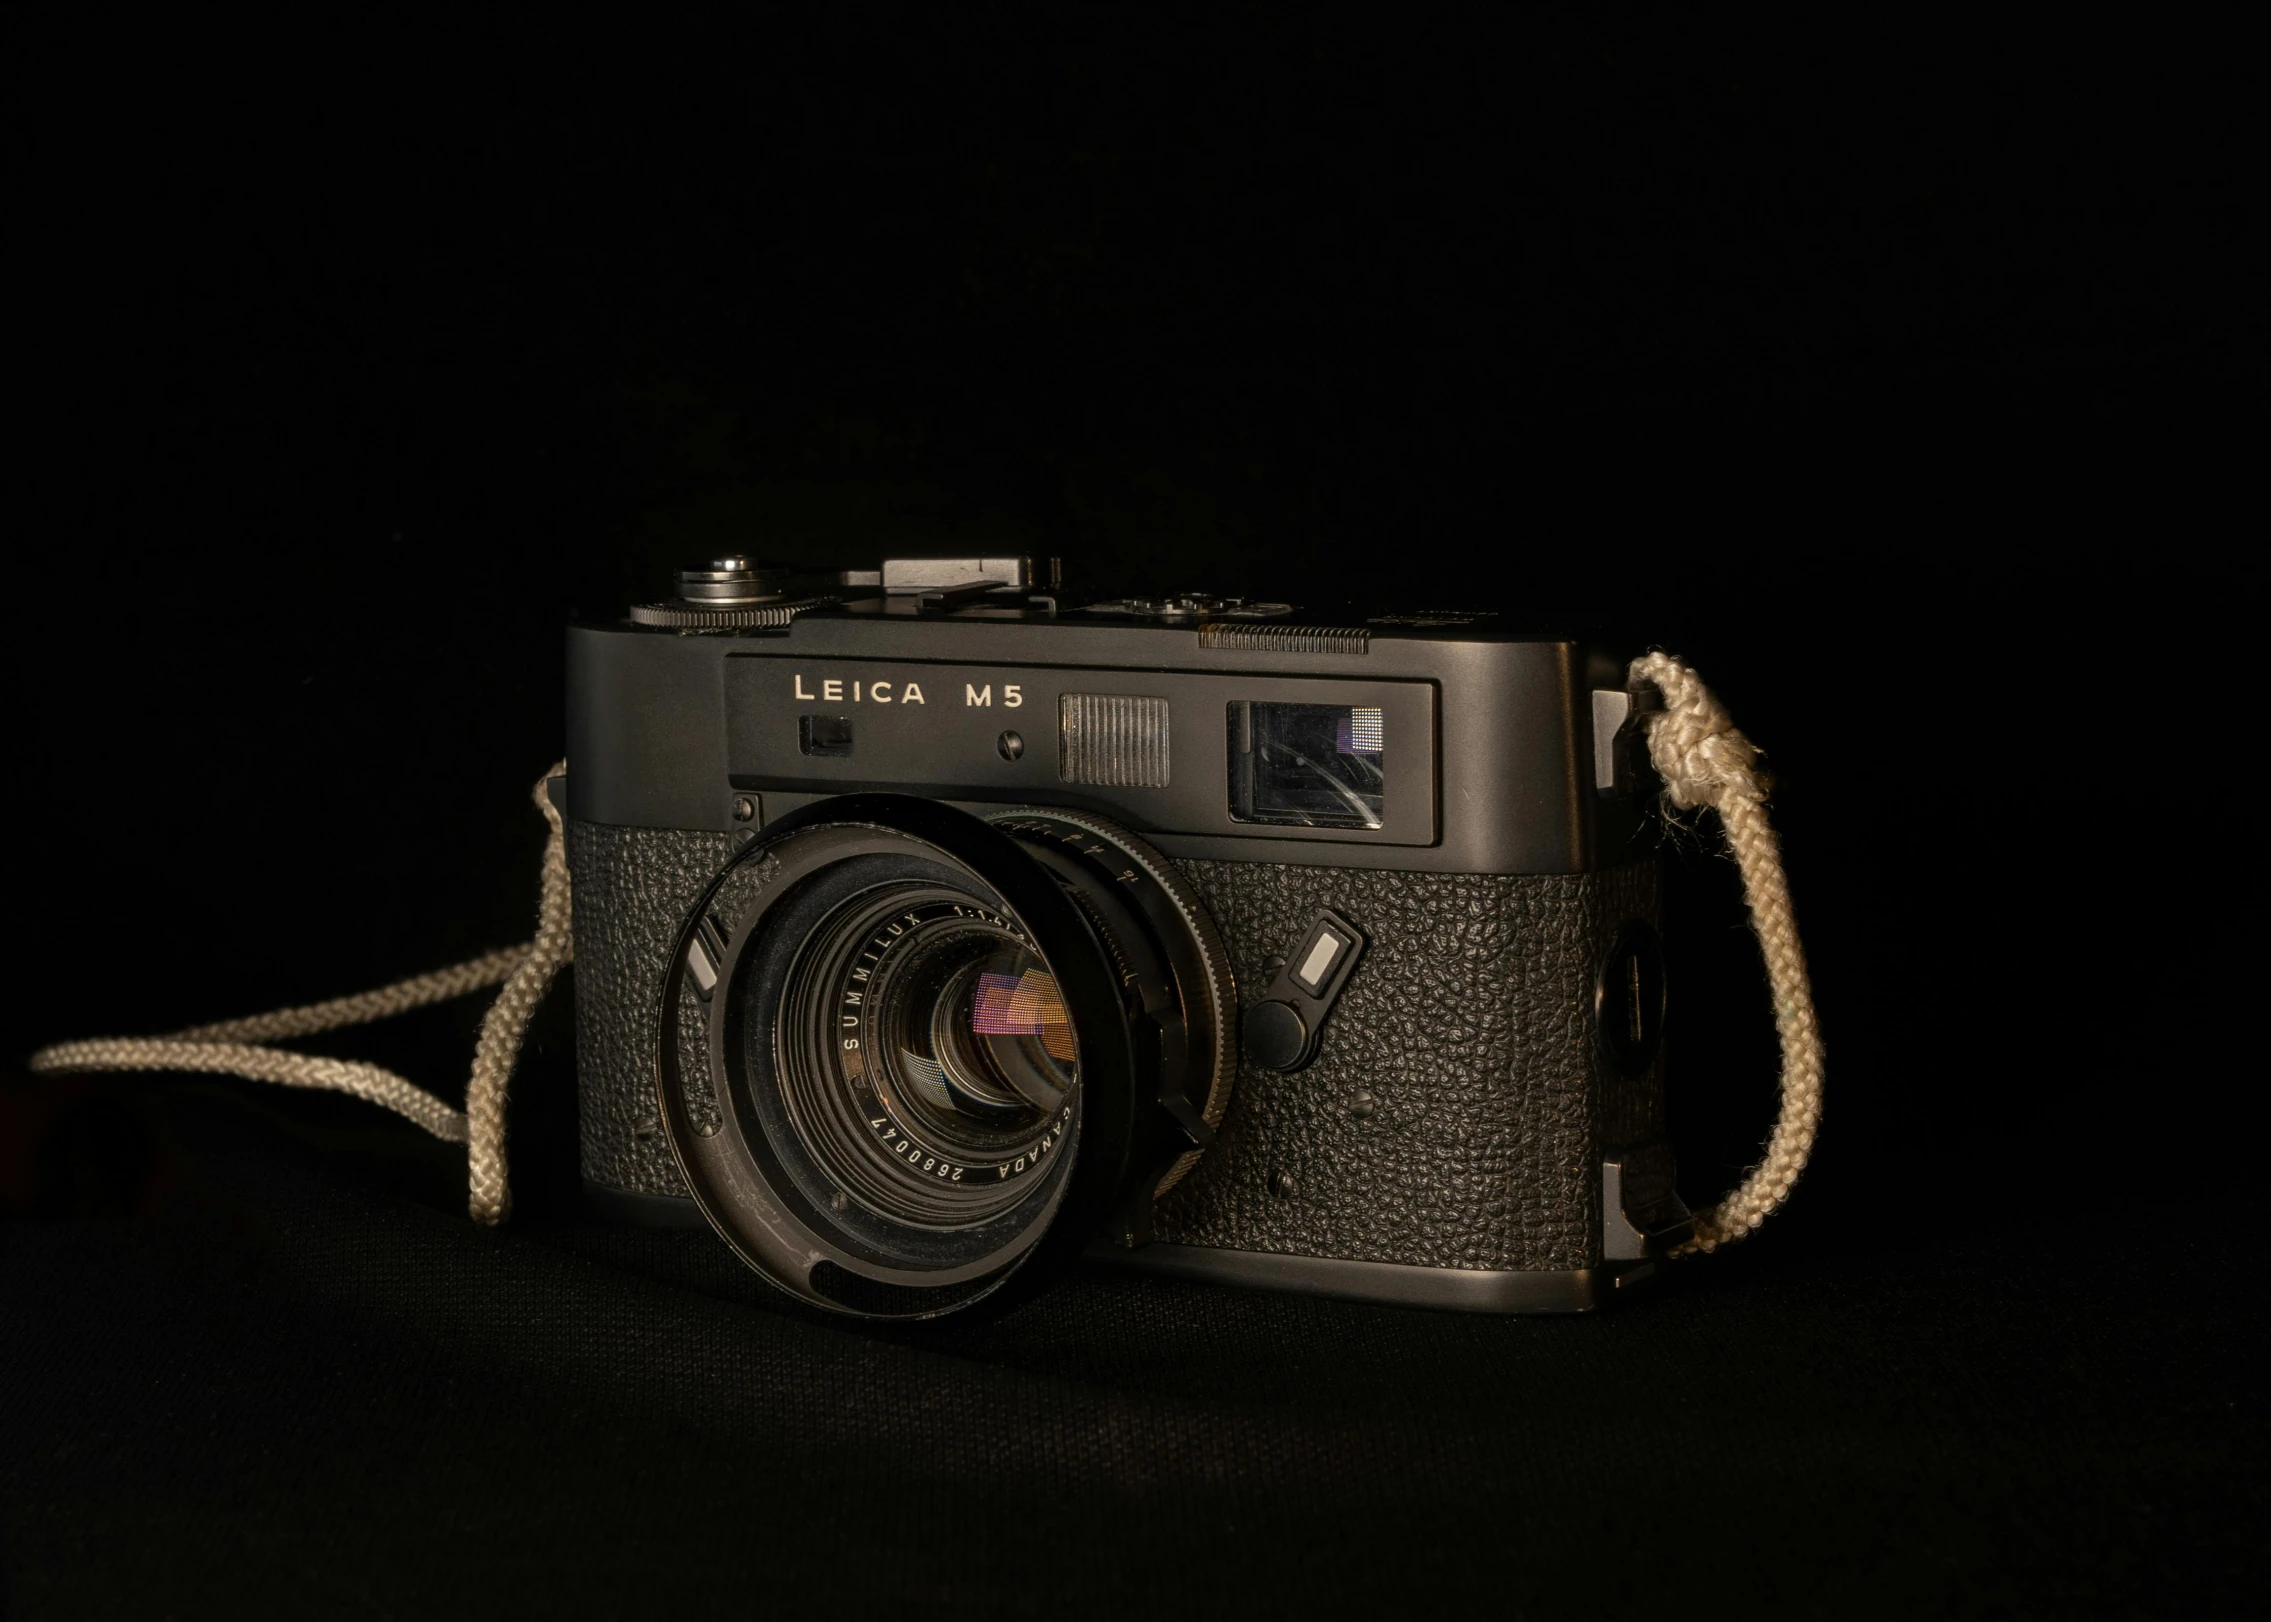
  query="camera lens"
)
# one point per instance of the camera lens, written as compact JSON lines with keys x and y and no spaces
{"x":928,"y":1064}
{"x":938,"y":1051}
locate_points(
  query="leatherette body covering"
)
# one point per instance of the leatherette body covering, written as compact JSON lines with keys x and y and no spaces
{"x":631,"y":888}
{"x":1455,"y":1115}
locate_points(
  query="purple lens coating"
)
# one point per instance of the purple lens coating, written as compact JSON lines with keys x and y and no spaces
{"x":1025,"y":1004}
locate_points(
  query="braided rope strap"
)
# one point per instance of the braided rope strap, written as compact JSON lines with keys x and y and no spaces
{"x":1704,"y":761}
{"x":255,"y":1063}
{"x":232,"y":1047}
{"x":505,"y":1026}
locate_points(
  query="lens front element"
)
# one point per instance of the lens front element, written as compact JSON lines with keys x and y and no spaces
{"x":929,"y":1064}
{"x":999,"y":1034}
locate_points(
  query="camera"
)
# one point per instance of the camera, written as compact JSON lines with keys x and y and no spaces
{"x":936,"y":926}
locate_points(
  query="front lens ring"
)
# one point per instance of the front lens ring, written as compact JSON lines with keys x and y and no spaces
{"x":811,"y":1247}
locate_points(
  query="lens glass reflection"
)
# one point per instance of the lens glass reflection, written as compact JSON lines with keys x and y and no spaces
{"x":931,"y":1066}
{"x":980,"y":1030}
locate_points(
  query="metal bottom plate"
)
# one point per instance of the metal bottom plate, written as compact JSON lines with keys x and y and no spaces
{"x":1450,"y":1288}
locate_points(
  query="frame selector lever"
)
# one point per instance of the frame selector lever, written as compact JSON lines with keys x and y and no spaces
{"x":1282,"y":1030}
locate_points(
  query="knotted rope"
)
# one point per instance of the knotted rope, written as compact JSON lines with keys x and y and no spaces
{"x":1704,"y":761}
{"x":232,"y":1047}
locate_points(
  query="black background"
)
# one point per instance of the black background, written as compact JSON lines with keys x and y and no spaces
{"x":1899,"y":376}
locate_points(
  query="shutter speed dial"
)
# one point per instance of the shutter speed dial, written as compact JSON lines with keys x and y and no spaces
{"x":736,"y":592}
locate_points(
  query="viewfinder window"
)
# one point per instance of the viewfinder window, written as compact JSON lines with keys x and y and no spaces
{"x":1307,"y":765}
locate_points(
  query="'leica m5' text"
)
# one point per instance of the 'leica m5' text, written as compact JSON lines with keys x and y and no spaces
{"x":834,"y":690}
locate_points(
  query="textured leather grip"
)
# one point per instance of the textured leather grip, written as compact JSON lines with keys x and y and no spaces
{"x":1456,"y":1115}
{"x":632,"y":888}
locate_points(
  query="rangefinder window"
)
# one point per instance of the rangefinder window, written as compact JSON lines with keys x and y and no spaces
{"x":1307,"y":765}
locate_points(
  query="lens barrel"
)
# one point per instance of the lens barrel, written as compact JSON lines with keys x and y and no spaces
{"x":913,"y":1052}
{"x":938,"y":1053}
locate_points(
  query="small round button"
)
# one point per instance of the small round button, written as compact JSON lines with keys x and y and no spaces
{"x":1275,"y":1035}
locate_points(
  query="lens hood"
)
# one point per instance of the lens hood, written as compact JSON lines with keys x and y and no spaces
{"x":814,"y":1157}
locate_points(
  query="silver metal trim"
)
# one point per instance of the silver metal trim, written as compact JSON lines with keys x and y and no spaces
{"x":1620,"y":1240}
{"x":905,"y":576}
{"x":1113,"y":740}
{"x":1610,"y":712}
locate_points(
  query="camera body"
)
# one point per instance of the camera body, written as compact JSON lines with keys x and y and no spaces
{"x":1373,"y":900}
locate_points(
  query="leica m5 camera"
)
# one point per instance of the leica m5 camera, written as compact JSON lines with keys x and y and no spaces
{"x":935,"y":927}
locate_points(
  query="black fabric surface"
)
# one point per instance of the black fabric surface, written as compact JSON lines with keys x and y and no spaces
{"x":1903,"y":375}
{"x":297,"y":1390}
